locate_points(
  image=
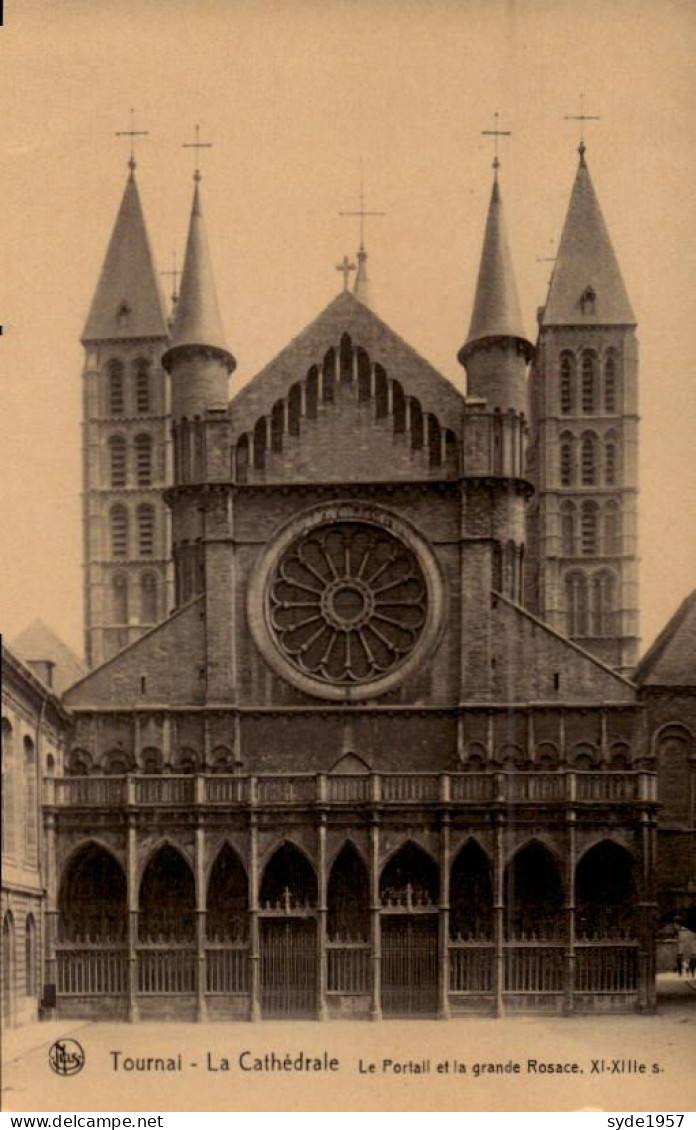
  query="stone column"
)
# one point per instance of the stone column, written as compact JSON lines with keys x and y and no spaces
{"x":570,"y":903}
{"x":376,"y":933}
{"x":498,"y":918}
{"x":321,"y":910}
{"x":199,"y":868}
{"x":132,"y":898}
{"x":444,"y":909}
{"x":254,"y":939}
{"x":51,"y":910}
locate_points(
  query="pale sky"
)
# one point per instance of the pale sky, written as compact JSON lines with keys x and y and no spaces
{"x":293,"y":94}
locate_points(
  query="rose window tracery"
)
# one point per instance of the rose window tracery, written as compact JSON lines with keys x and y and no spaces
{"x":347,"y":602}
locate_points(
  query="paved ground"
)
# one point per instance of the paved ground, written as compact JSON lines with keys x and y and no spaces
{"x":665,"y":1044}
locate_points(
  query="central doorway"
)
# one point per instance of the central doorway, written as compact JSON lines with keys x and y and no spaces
{"x":288,"y":968}
{"x":409,"y":964}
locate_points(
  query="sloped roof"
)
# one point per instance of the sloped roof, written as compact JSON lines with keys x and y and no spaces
{"x":197,"y":320}
{"x":671,"y":661}
{"x":346,"y":314}
{"x":37,"y":643}
{"x":586,"y":259}
{"x":497,"y":311}
{"x":128,"y":280}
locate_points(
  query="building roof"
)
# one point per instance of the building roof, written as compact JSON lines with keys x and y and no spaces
{"x":586,"y":261}
{"x":127,"y":302}
{"x":197,"y":321}
{"x":38,"y":643}
{"x":671,"y":661}
{"x":497,"y":311}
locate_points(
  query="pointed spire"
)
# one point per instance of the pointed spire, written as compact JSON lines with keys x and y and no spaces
{"x":127,"y":302}
{"x":197,"y":321}
{"x":361,"y":287}
{"x":496,"y":311}
{"x":587,"y":287}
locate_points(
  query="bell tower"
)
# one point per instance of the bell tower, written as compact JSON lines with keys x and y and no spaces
{"x":126,"y":449}
{"x":583,"y":453}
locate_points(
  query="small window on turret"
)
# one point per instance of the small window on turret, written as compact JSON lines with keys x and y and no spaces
{"x":123,"y":315}
{"x":588,"y":301}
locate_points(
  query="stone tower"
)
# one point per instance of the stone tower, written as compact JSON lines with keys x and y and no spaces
{"x":126,"y":459}
{"x":496,"y":354}
{"x":583,"y":455}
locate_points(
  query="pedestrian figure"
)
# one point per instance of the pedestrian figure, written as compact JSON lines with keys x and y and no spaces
{"x":680,"y":964}
{"x":692,"y":965}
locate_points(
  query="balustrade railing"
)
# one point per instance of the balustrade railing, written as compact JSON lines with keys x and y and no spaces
{"x":470,"y":967}
{"x":534,"y":969}
{"x":606,"y":968}
{"x":348,"y":967}
{"x":166,"y":969}
{"x":92,"y":970}
{"x":227,"y":967}
{"x":384,"y":788}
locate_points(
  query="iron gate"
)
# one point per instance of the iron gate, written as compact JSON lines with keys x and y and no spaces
{"x":409,"y":964}
{"x":288,"y":967}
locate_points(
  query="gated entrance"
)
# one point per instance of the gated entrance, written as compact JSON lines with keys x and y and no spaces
{"x":288,"y":967}
{"x":409,"y":964}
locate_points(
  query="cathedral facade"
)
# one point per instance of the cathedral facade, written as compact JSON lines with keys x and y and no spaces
{"x":359,"y":738}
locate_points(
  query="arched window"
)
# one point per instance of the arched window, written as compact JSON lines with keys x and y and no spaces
{"x":588,"y":301}
{"x":576,"y":604}
{"x":142,"y":386}
{"x":198,"y":450}
{"x":115,"y":378}
{"x":8,"y":779}
{"x":381,"y":393}
{"x":312,"y":393}
{"x":143,"y":460}
{"x":566,"y":460}
{"x":612,"y":529}
{"x":589,"y":384}
{"x":611,"y":453}
{"x":241,"y":458}
{"x":117,"y":461}
{"x":185,"y":451}
{"x":603,"y":603}
{"x":588,"y":528}
{"x":588,"y":461}
{"x":434,"y":441}
{"x":118,"y":522}
{"x":294,"y":409}
{"x":610,"y":397}
{"x":364,"y":375}
{"x":30,"y":979}
{"x":148,"y":598}
{"x":567,"y":529}
{"x":119,"y":598}
{"x":277,"y":426}
{"x":566,"y":383}
{"x":29,"y":815}
{"x":328,"y":377}
{"x":146,"y":531}
{"x":260,"y":443}
{"x":398,"y":408}
{"x":416,"y":413}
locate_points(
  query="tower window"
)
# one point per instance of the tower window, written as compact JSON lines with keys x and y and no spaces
{"x":148,"y":599}
{"x":589,"y":461}
{"x":576,"y":604}
{"x":117,"y":461}
{"x":612,"y":530}
{"x":143,"y":460}
{"x":123,"y":314}
{"x":146,"y":531}
{"x":142,"y":386}
{"x":588,"y":528}
{"x":588,"y":301}
{"x":119,"y":599}
{"x":566,"y":461}
{"x":610,"y":454}
{"x":602,"y":609}
{"x":119,"y":531}
{"x":115,"y":376}
{"x":566,"y":384}
{"x":589,"y":385}
{"x":610,"y":385}
{"x":568,"y":529}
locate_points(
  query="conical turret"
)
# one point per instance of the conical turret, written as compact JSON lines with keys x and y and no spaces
{"x":361,"y":289}
{"x":127,"y":302}
{"x":197,"y":323}
{"x":496,"y":350}
{"x":587,"y":287}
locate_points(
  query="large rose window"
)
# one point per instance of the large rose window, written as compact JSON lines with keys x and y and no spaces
{"x":347,"y":602}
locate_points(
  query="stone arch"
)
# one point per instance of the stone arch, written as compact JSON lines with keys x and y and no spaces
{"x":673,"y":745}
{"x":151,"y":760}
{"x":221,"y":759}
{"x":605,"y":891}
{"x":584,"y":755}
{"x":547,"y":755}
{"x":117,"y":762}
{"x":409,"y":866}
{"x":511,"y":755}
{"x":533,"y":892}
{"x":350,"y":762}
{"x":92,"y":903}
{"x":186,"y":760}
{"x":471,"y":893}
{"x":288,"y":877}
{"x":620,"y":756}
{"x":9,"y":774}
{"x":348,"y":896}
{"x":167,"y":896}
{"x":476,"y":757}
{"x":227,"y":897}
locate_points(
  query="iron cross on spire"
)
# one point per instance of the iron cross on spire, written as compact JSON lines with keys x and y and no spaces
{"x":582,"y":117}
{"x":345,"y":266}
{"x":174,"y":275}
{"x":197,"y":144}
{"x":132,"y":133}
{"x":495,"y":133}
{"x":362,"y":212}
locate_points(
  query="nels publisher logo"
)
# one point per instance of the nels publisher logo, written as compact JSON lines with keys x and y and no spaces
{"x":66,"y":1057}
